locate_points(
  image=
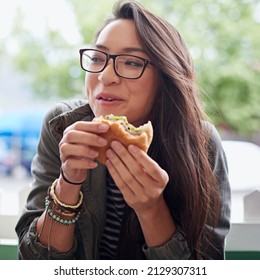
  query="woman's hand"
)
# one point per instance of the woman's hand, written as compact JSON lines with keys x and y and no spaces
{"x":140,"y":179}
{"x":77,"y":149}
{"x":142,"y":182}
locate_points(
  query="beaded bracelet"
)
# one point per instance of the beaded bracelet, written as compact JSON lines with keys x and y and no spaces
{"x":62,"y":220}
{"x":57,"y":201}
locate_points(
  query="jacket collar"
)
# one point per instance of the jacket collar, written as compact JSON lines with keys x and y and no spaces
{"x":80,"y":113}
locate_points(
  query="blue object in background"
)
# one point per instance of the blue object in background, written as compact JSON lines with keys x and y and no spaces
{"x":19,"y":134}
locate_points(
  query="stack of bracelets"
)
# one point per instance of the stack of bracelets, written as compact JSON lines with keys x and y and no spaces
{"x":62,"y":210}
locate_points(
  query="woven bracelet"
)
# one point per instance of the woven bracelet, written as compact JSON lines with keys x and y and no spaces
{"x":63,"y":208}
{"x":59,"y":210}
{"x":57,"y":201}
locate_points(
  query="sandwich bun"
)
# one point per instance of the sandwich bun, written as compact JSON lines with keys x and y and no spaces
{"x":125,"y":133}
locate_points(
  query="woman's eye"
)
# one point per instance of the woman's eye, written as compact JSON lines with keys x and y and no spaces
{"x":134,"y":63}
{"x":96,"y":59}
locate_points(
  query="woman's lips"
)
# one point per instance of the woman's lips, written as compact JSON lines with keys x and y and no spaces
{"x":107,"y":99}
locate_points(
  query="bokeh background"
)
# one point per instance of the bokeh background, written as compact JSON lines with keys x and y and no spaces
{"x":39,"y":65}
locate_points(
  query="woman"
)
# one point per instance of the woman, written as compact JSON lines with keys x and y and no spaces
{"x":172,"y":203}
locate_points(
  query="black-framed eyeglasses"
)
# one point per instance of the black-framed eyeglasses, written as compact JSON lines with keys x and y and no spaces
{"x":125,"y":66}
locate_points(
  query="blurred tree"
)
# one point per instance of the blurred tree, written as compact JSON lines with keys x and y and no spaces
{"x":226,"y":50}
{"x":220,"y":34}
{"x":90,"y":16}
{"x":50,"y":61}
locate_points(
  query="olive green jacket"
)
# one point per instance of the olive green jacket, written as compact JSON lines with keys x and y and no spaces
{"x":46,"y":168}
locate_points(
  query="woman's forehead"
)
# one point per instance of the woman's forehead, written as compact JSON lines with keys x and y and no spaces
{"x":121,"y":33}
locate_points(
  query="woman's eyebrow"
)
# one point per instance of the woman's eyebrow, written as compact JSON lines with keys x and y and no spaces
{"x":101,"y":47}
{"x":133,"y":49}
{"x":127,"y":50}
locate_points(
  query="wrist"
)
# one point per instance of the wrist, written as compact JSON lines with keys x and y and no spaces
{"x":154,"y":211}
{"x":66,"y":192}
{"x":78,"y":183}
{"x":157,"y":224}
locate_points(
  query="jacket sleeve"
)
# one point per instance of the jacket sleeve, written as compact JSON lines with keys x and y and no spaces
{"x":177,"y":247}
{"x":45,"y":169}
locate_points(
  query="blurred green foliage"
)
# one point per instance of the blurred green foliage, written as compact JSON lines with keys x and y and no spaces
{"x":222,"y":35}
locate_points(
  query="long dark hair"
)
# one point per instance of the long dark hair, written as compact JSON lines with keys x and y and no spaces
{"x":181,"y":141}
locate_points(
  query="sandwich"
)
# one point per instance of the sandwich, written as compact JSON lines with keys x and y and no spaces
{"x":121,"y":130}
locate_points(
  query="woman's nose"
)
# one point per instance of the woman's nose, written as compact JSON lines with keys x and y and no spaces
{"x":108,"y":75}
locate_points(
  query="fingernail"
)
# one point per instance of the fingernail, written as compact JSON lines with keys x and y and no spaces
{"x":108,"y":163}
{"x":93,"y":164}
{"x":93,"y":153}
{"x":110,"y":153}
{"x":102,"y":141}
{"x":132,"y":149}
{"x":103,"y":127}
{"x":116,"y":145}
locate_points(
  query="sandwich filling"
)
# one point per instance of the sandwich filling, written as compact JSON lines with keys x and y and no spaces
{"x":122,"y":120}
